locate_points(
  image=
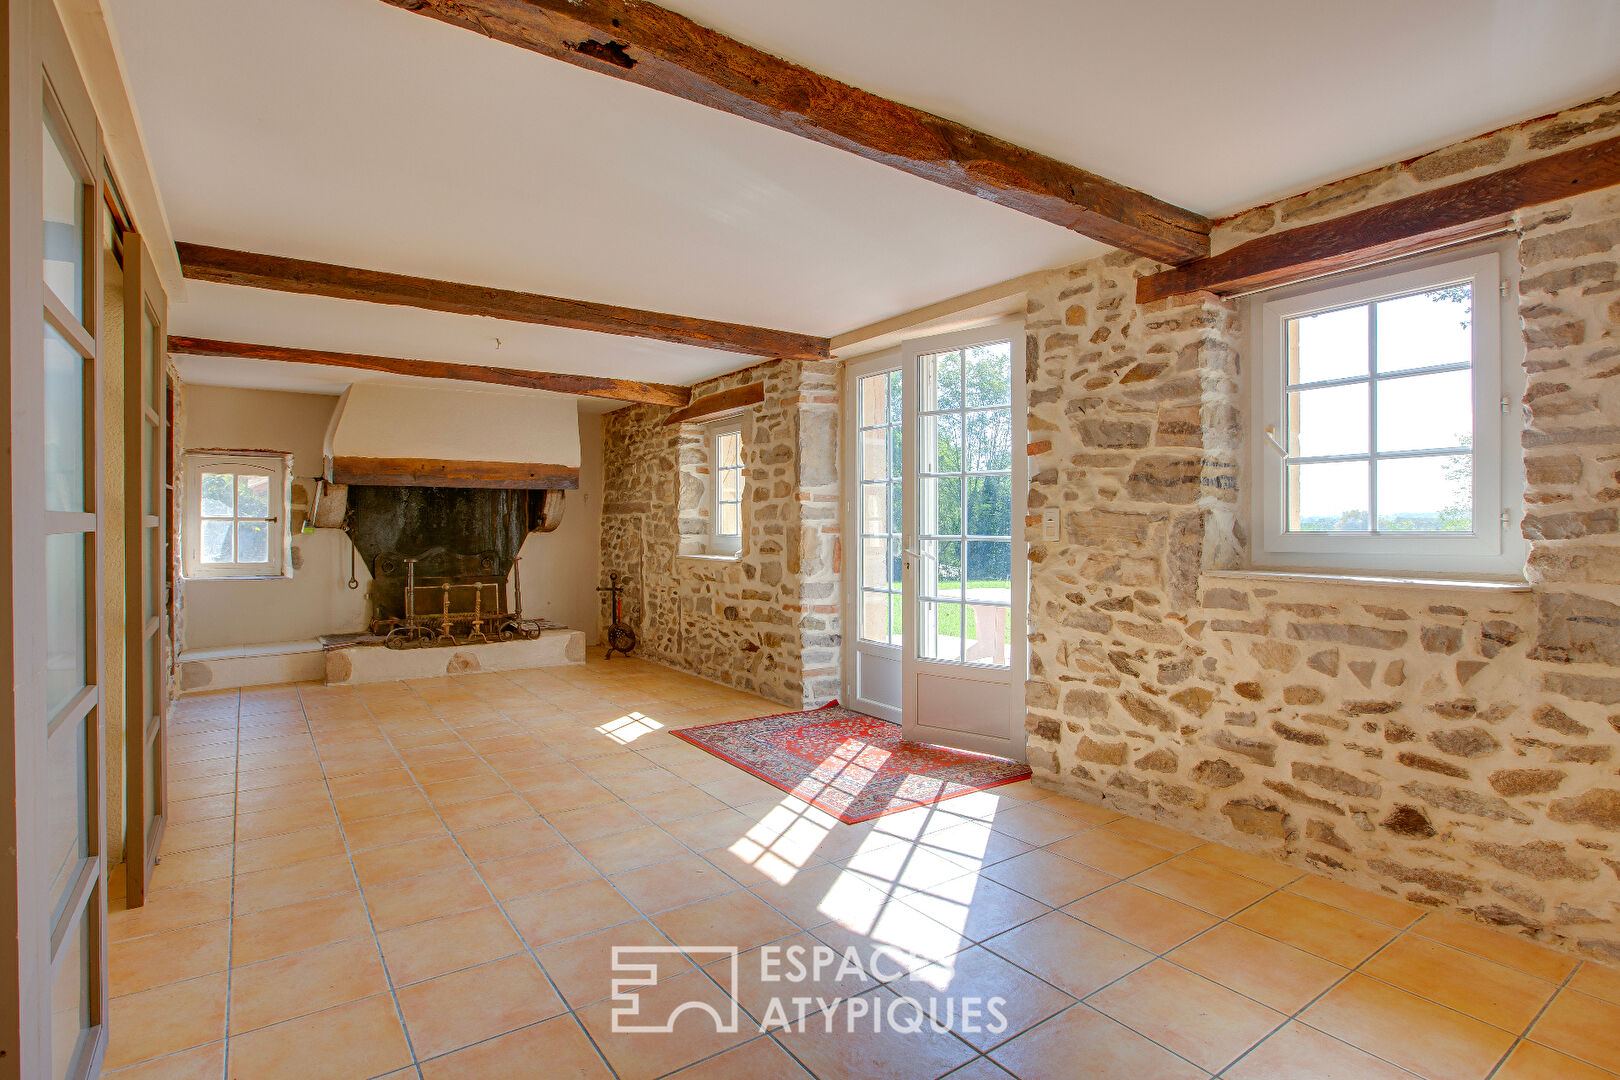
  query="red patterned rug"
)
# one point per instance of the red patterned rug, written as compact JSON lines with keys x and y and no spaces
{"x":853,"y":766}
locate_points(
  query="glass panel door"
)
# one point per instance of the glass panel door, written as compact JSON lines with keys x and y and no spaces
{"x":876,"y":486}
{"x":963,"y":586}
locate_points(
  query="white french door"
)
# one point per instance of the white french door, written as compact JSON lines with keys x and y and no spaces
{"x":938,"y":504}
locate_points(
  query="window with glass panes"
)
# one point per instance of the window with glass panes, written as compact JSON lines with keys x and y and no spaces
{"x":725,"y":452}
{"x":964,"y":507}
{"x":234,"y":516}
{"x":1384,"y":415}
{"x":880,"y":508}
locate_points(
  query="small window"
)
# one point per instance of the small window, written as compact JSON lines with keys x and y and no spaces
{"x":235,"y":515}
{"x":725,"y":455}
{"x":1387,"y":441}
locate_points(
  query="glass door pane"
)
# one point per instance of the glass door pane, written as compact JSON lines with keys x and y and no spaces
{"x":964,"y":508}
{"x":879,"y":448}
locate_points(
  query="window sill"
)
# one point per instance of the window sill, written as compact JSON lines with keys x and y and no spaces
{"x":1394,"y":581}
{"x":706,"y":557}
{"x":190,"y":578}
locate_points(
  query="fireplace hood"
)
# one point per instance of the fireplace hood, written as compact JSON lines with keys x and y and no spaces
{"x":405,"y":436}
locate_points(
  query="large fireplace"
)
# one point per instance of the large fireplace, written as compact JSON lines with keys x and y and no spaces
{"x":438,"y":490}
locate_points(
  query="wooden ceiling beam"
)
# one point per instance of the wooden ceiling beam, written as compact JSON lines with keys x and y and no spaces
{"x":228,"y":267}
{"x":738,"y":397}
{"x":653,"y":47}
{"x":1454,"y":212}
{"x":583,"y":385}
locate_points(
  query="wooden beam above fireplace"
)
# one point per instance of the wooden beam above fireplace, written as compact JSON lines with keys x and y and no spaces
{"x":583,"y":385}
{"x":659,"y":49}
{"x":433,"y":472}
{"x":230,"y":267}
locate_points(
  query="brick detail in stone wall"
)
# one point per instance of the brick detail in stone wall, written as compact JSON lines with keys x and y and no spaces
{"x":767,"y":621}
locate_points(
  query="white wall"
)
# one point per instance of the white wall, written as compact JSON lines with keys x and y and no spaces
{"x":315,"y":600}
{"x":560,"y":569}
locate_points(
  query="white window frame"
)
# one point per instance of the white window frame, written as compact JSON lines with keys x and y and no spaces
{"x":723,"y":543}
{"x":1495,"y":548}
{"x":277,"y":467}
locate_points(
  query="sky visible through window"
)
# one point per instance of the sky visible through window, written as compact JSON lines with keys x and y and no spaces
{"x":1432,"y":411}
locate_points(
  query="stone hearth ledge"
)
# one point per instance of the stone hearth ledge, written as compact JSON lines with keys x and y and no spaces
{"x":352,"y":665}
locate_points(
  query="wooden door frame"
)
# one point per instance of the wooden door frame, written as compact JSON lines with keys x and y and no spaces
{"x":40,"y":66}
{"x":143,"y":737}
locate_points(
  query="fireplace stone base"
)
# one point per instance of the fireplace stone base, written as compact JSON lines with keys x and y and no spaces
{"x":351,"y":665}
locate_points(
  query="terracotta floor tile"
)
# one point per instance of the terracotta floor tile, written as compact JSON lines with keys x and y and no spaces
{"x":676,"y":805}
{"x":394,"y":829}
{"x":1202,"y":885}
{"x":536,"y":871}
{"x":587,"y":824}
{"x":159,"y":959}
{"x":582,"y":967}
{"x":512,"y":838}
{"x":469,"y":789}
{"x":1481,"y":988}
{"x":1033,"y":824}
{"x":760,"y":1059}
{"x":1328,"y":932}
{"x":283,"y":885}
{"x":198,"y":1063}
{"x":171,"y":909}
{"x":360,"y":1039}
{"x":674,"y":883}
{"x":739,"y":919}
{"x":1145,"y":919}
{"x":641,"y":1056}
{"x":1364,"y":902}
{"x":1298,"y":1052}
{"x":1069,"y":954}
{"x":1110,"y":852}
{"x":712,"y":831}
{"x":284,"y":819}
{"x":975,"y":906}
{"x":369,"y":783}
{"x":401,"y":903}
{"x":1048,"y":878}
{"x":1532,"y":1061}
{"x":482,"y":813}
{"x":1599,"y":980}
{"x":1409,"y":1031}
{"x":981,"y":1069}
{"x":628,"y":850}
{"x":466,"y":1007}
{"x":1581,"y":1026}
{"x":844,"y":1043}
{"x":250,"y":802}
{"x":956,"y":994}
{"x":1112,"y":1051}
{"x":1058,"y":804}
{"x":426,"y":950}
{"x":1510,"y":949}
{"x":381,"y":804}
{"x":1151,"y":833}
{"x":379,"y":866}
{"x":560,"y":1043}
{"x":190,"y":867}
{"x":301,"y":983}
{"x":175,"y":1017}
{"x":558,"y":914}
{"x":1187,"y":1014}
{"x":320,"y":842}
{"x":268,"y":934}
{"x":788,"y":981}
{"x":191,"y":835}
{"x":1281,"y":976}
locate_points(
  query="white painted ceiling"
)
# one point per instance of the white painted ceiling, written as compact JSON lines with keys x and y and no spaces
{"x":352,"y":132}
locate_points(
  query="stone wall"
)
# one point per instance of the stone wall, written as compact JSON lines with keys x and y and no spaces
{"x":767,"y":621}
{"x":1454,"y":747}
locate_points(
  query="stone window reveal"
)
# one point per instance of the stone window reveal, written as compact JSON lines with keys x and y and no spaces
{"x":1387,"y":442}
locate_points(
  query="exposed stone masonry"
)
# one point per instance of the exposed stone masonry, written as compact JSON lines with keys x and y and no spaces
{"x":1453,"y":747}
{"x":767,"y":621}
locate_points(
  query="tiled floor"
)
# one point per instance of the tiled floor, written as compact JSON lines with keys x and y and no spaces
{"x":425,"y":880}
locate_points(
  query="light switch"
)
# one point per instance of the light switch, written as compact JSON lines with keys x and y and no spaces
{"x":1049,"y":523}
